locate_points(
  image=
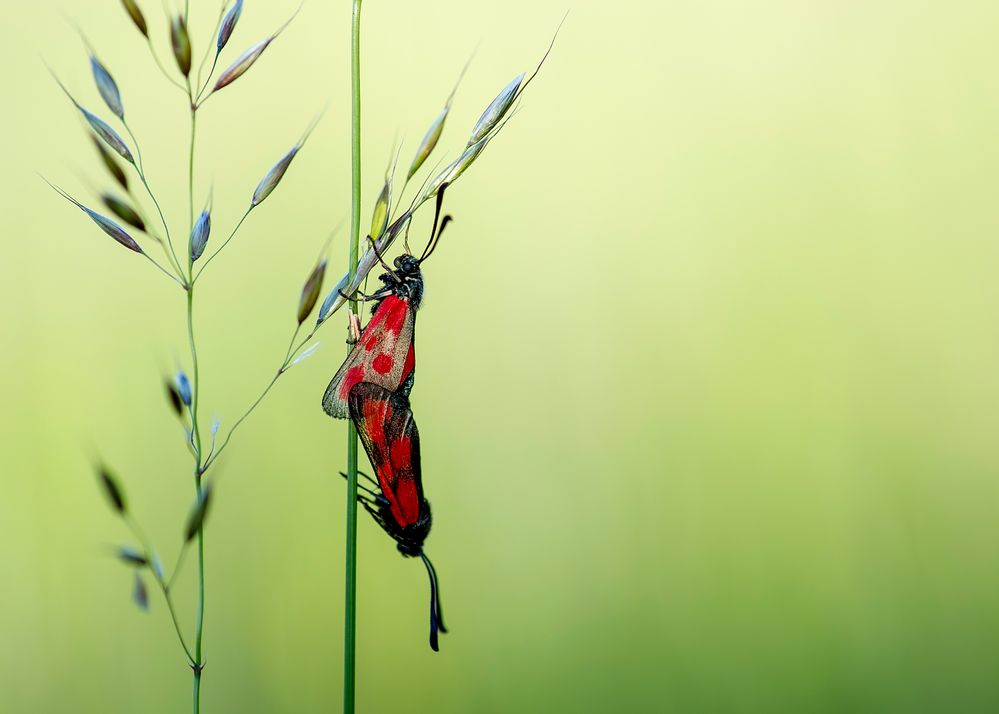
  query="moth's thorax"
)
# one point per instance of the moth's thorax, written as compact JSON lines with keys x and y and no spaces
{"x":406,"y":280}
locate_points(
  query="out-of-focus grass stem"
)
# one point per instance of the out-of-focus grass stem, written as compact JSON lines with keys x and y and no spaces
{"x":195,"y":427}
{"x":164,"y":586}
{"x":141,"y":171}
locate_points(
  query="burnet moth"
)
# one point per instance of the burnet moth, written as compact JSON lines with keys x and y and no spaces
{"x":385,"y":423}
{"x":384,"y":354}
{"x":372,"y":387}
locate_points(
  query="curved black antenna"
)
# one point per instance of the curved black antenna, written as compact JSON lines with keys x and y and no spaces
{"x":437,"y":215}
{"x":440,"y":610}
{"x":436,"y":620}
{"x":447,"y":219}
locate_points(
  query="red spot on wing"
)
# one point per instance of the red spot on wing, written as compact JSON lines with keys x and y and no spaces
{"x":383,"y":363}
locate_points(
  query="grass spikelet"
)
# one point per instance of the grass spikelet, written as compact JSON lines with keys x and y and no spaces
{"x":133,"y":556}
{"x":139,"y":593}
{"x":184,"y":388}
{"x":107,"y":87}
{"x":117,"y":173}
{"x":310,"y":292}
{"x":198,"y":514}
{"x":199,"y":235}
{"x":228,"y":25}
{"x":496,"y":110}
{"x":137,"y":17}
{"x":380,"y":214}
{"x":180,"y":41}
{"x":108,"y":135}
{"x":103,"y":222}
{"x":246,"y":60}
{"x":113,"y":491}
{"x":273,"y":177}
{"x":123,"y":210}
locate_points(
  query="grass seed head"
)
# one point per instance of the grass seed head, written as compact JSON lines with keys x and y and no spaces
{"x":173,"y":396}
{"x":103,"y":222}
{"x":137,"y":17}
{"x":117,"y":173}
{"x":199,"y":236}
{"x":196,"y":521}
{"x":310,"y":292}
{"x":109,"y":136}
{"x":380,"y":215}
{"x":183,"y":388}
{"x":133,"y":556}
{"x":229,"y":24}
{"x":429,"y":142}
{"x":496,"y":110}
{"x":246,"y":60}
{"x":139,"y":593}
{"x":124,"y":211}
{"x":107,"y":87}
{"x":180,"y":41}
{"x":273,"y":177}
{"x":113,"y":491}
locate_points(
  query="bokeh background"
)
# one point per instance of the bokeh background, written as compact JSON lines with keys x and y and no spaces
{"x":707,"y":364}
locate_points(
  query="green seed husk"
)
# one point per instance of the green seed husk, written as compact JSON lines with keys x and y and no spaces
{"x":429,"y":142}
{"x":173,"y":396}
{"x":133,"y":556}
{"x":310,"y":292}
{"x":124,"y":211}
{"x":117,"y":173}
{"x":180,"y":41}
{"x":198,"y":514}
{"x":113,"y":491}
{"x":496,"y":110}
{"x":103,"y":222}
{"x":139,"y":593}
{"x":380,"y":215}
{"x":137,"y":17}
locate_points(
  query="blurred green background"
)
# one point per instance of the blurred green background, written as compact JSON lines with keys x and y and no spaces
{"x":707,"y":365}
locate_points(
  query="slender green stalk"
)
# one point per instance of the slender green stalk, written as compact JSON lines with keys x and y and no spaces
{"x":195,"y":428}
{"x":350,"y":577}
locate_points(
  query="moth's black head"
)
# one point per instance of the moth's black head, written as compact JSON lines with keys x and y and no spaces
{"x":406,"y":281}
{"x":406,"y":264}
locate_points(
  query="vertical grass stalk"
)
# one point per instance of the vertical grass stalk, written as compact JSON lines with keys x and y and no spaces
{"x":350,"y":576}
{"x":195,"y":427}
